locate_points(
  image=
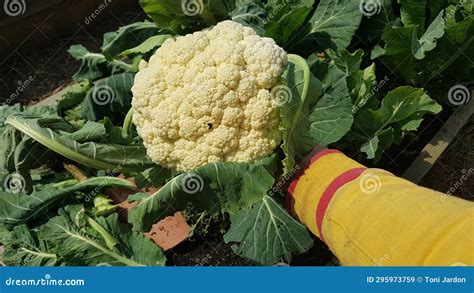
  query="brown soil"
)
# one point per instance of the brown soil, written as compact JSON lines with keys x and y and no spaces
{"x":51,"y":67}
{"x":454,"y":171}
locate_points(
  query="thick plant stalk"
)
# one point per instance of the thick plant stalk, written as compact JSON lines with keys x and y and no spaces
{"x":371,"y":217}
{"x":75,"y":172}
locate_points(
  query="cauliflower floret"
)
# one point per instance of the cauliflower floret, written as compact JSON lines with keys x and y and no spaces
{"x":206,"y":97}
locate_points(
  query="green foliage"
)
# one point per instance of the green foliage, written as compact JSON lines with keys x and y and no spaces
{"x":97,"y":145}
{"x":109,"y":97}
{"x":319,"y":110}
{"x":148,"y":45}
{"x":95,"y":65}
{"x":127,"y":37}
{"x":276,"y":237}
{"x":214,"y":188}
{"x":285,"y":18}
{"x":425,"y":54}
{"x":20,"y":208}
{"x":332,"y":26}
{"x":155,"y":176}
{"x":401,"y":112}
{"x":72,"y":95}
{"x":24,"y":248}
{"x":185,"y":16}
{"x":235,"y":188}
{"x":250,"y":13}
{"x":74,"y":238}
{"x":413,"y":13}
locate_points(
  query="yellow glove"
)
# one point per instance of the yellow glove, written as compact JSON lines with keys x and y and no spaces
{"x":371,"y":217}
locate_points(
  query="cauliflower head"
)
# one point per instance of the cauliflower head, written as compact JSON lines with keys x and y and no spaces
{"x":206,"y":97}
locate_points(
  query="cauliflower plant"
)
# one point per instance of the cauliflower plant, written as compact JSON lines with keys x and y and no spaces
{"x":206,"y":97}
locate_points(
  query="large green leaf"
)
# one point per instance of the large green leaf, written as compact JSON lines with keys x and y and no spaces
{"x":403,"y":47}
{"x":376,"y":19}
{"x":250,"y":13}
{"x":127,"y":37}
{"x":50,"y":132}
{"x":187,"y":15}
{"x":397,"y":52}
{"x":331,"y":117}
{"x":18,"y":154}
{"x":427,"y":42}
{"x":402,"y":111}
{"x":360,"y":82}
{"x":451,"y":59}
{"x":304,"y":90}
{"x":109,"y":97}
{"x":94,"y":65}
{"x":332,"y":25}
{"x":267,"y":234}
{"x":413,"y":13}
{"x":153,"y":177}
{"x":318,"y":112}
{"x":72,"y":95}
{"x":8,"y":110}
{"x":285,"y":18}
{"x":214,"y":188}
{"x":147,"y":45}
{"x":19,"y":208}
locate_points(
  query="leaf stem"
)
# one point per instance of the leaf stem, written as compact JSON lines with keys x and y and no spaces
{"x":39,"y":254}
{"x":207,"y":16}
{"x":110,"y":240}
{"x":127,"y":124}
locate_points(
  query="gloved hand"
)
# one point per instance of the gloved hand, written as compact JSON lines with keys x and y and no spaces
{"x":371,"y":217}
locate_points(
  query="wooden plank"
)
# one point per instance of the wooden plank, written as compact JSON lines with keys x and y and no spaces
{"x":440,"y":142}
{"x":49,"y":101}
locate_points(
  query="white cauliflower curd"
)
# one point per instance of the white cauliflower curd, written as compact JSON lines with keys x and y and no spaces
{"x":206,"y":97}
